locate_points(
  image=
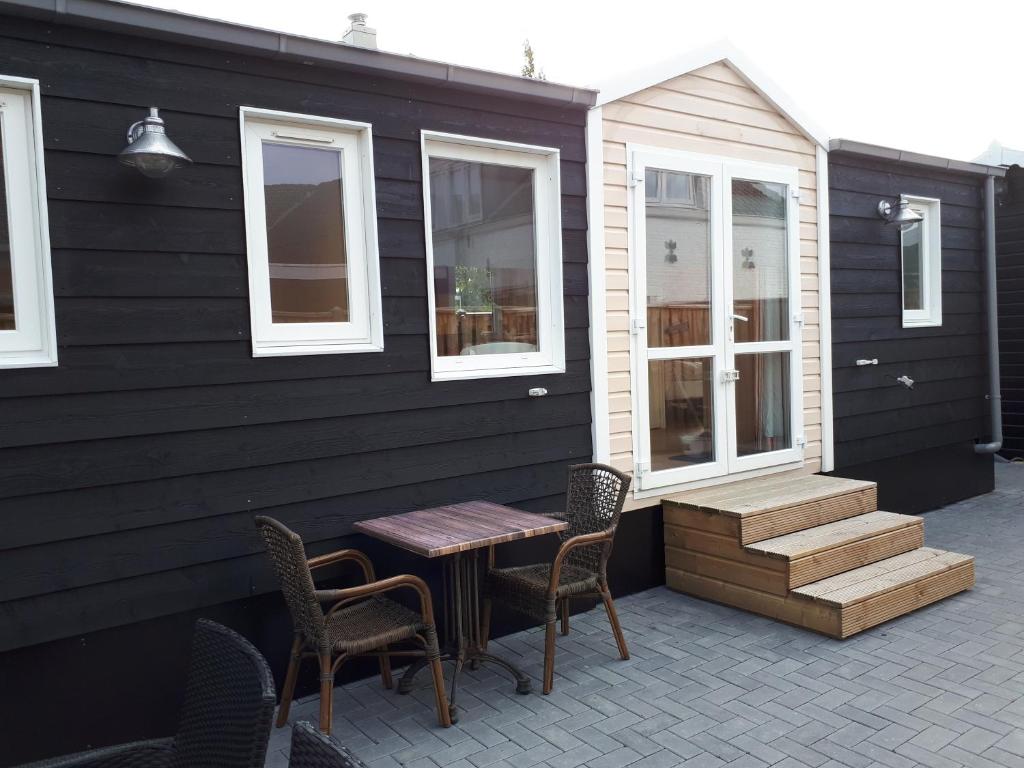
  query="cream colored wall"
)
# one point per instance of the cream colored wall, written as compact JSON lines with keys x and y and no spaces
{"x":711,"y":111}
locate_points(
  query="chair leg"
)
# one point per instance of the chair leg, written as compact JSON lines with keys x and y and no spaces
{"x":565,"y":615}
{"x":326,"y":692}
{"x":433,"y":655}
{"x":385,"y":670}
{"x":549,"y":655}
{"x":485,"y":624}
{"x":613,"y":619}
{"x":289,"y":681}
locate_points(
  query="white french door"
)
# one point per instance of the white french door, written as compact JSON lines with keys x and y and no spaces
{"x":716,"y":319}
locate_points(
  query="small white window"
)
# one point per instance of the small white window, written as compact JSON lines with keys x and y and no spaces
{"x":314,"y":283}
{"x":921,"y":263}
{"x":494,"y":257}
{"x":27,"y":331}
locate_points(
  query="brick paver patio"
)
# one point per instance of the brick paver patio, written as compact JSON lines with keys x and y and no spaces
{"x":713,"y":686}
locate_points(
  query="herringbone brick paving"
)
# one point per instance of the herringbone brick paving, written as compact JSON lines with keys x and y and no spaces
{"x":712,"y":686}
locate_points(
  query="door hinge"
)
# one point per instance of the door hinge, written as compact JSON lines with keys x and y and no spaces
{"x":798,"y":317}
{"x":730,"y":375}
{"x":642,"y":468}
{"x":635,"y":179}
{"x":801,"y":440}
{"x":637,"y":326}
{"x":795,"y":192}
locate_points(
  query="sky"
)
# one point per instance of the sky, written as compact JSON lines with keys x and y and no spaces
{"x":935,"y":77}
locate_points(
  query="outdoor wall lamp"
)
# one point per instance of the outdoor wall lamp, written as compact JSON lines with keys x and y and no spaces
{"x":149,"y":150}
{"x":900,"y":214}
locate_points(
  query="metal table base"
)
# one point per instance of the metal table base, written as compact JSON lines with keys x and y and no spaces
{"x":462,"y":641}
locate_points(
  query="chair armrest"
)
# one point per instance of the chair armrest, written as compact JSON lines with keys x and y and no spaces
{"x":155,"y":753}
{"x":342,"y":597}
{"x":568,"y":545}
{"x":344,"y":554}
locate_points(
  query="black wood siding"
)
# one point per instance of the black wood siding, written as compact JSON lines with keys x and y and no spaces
{"x":1010,"y":259}
{"x":130,"y":474}
{"x":876,"y":418}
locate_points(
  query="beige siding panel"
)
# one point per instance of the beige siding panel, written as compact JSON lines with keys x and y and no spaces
{"x":711,"y":111}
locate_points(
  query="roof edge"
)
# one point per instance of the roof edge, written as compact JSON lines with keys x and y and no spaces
{"x":720,"y":50}
{"x":180,"y":27}
{"x":914,"y":158}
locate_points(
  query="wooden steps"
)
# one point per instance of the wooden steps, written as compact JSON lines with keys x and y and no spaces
{"x":809,"y":550}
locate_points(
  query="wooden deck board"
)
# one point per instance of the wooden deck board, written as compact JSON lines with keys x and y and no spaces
{"x":807,"y":542}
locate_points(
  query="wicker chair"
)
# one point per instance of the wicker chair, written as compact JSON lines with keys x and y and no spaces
{"x":542,"y":591}
{"x":312,"y":749}
{"x":359,"y":621}
{"x":225,"y":720}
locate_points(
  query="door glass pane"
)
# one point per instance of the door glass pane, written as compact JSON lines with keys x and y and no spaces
{"x":763,"y":403}
{"x":681,"y":412}
{"x":485,"y":258}
{"x":912,"y":285}
{"x":305,"y":234}
{"x":760,"y":261}
{"x":678,"y":259}
{"x":6,"y":274}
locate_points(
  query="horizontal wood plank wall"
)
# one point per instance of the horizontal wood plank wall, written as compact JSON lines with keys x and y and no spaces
{"x":876,"y":418}
{"x":130,"y":474}
{"x":1010,"y":251}
{"x":711,"y":111}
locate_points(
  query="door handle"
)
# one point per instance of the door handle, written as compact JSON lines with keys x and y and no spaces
{"x":730,"y":375}
{"x":740,"y":317}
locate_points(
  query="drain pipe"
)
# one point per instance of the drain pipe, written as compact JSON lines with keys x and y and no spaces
{"x":995,"y":396}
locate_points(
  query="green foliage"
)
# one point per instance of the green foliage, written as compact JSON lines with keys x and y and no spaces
{"x":473,"y":285}
{"x":529,"y":65}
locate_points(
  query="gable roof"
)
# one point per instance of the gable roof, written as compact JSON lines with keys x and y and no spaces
{"x":720,"y":51}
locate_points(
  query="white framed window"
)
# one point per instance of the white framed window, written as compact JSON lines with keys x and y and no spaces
{"x":311,"y":233}
{"x":921,"y":264}
{"x":492,"y":212}
{"x":27,"y":328}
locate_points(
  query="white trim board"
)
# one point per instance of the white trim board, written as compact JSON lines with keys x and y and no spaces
{"x":825,"y":313}
{"x":736,"y":60}
{"x":599,"y":407}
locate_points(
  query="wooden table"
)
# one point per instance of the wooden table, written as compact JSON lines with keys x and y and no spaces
{"x":458,"y":532}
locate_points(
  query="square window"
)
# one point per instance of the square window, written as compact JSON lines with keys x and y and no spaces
{"x":314,"y":285}
{"x":27,"y":331}
{"x":921,"y":265}
{"x":493,"y":230}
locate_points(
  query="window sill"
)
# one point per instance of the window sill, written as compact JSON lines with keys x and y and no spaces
{"x":929,"y":323}
{"x":286,"y":350}
{"x":494,"y":373}
{"x":36,"y":359}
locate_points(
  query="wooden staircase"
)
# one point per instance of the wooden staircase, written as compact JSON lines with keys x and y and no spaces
{"x":810,"y":550}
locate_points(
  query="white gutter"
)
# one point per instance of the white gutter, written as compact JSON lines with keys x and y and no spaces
{"x":598,"y":303}
{"x":825,"y":313}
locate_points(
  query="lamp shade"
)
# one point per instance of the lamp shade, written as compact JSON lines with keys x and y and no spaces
{"x":900,"y":214}
{"x":149,"y":148}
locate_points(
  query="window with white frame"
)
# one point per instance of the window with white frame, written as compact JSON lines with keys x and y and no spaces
{"x":27,"y":332}
{"x":311,"y":230}
{"x":921,"y":264}
{"x":494,"y":257}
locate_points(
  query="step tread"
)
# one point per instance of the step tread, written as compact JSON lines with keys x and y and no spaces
{"x":870,"y":581}
{"x":809,"y":541}
{"x":749,"y":498}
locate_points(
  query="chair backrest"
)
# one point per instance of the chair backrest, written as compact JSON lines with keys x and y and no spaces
{"x":229,"y":702}
{"x":312,"y":749}
{"x":289,"y":557}
{"x":593,"y":503}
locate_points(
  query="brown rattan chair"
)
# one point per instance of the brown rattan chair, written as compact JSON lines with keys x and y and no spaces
{"x":542,"y":591}
{"x":359,"y":621}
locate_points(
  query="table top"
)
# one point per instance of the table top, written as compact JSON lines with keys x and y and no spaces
{"x":458,"y":527}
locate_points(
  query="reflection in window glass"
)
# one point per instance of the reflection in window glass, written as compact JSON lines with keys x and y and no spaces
{"x":485,"y":260}
{"x":6,"y":273}
{"x":763,"y":419}
{"x":912,"y":285}
{"x":305,"y":234}
{"x":760,"y":261}
{"x":681,"y":412}
{"x":678,"y":259}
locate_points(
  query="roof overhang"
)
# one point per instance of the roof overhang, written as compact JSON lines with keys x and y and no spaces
{"x":184,"y":28}
{"x":723,"y":51}
{"x":914,"y":158}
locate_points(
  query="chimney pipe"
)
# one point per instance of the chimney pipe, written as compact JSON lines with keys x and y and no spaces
{"x":359,"y":34}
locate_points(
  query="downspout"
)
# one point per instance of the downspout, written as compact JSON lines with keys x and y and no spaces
{"x":995,"y":396}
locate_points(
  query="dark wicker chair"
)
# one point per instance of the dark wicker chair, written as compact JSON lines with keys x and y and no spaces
{"x":542,"y":591}
{"x":225,"y":720}
{"x":358,"y":622}
{"x":312,"y":749}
